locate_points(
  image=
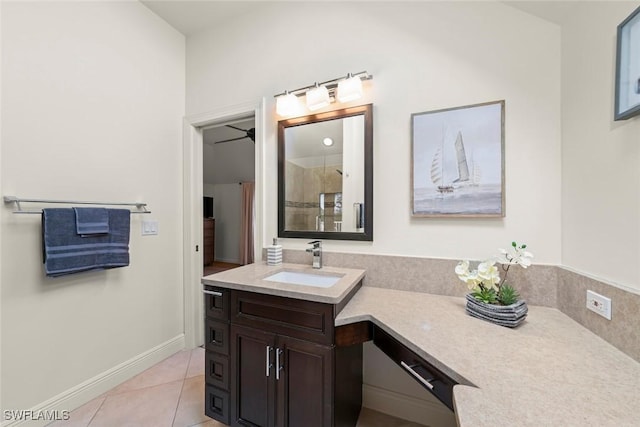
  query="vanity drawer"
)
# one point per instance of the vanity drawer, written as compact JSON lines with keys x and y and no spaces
{"x":216,"y":337}
{"x":216,"y":370}
{"x":216,"y":302}
{"x":308,"y":320}
{"x":432,"y":379}
{"x":217,"y":405}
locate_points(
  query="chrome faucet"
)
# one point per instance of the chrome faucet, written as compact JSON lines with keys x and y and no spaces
{"x":316,"y":250}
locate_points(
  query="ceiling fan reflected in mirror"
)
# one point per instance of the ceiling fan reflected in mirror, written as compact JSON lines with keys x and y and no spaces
{"x":249,"y":133}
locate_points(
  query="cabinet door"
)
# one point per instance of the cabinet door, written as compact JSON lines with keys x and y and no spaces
{"x":304,"y":383}
{"x":252,"y":370}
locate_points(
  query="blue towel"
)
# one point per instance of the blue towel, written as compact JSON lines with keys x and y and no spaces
{"x":91,"y":221}
{"x":65,"y":252}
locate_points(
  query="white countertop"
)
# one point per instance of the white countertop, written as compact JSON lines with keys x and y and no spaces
{"x":550,"y":371}
{"x":251,"y":278}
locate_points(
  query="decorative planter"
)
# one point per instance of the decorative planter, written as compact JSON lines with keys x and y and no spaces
{"x":503,"y":315}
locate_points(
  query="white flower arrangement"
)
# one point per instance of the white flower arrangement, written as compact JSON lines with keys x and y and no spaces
{"x":484,"y":282}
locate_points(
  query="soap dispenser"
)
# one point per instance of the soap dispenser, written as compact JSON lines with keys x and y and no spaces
{"x":274,"y":253}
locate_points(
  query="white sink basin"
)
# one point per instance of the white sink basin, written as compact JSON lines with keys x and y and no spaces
{"x":304,"y":279}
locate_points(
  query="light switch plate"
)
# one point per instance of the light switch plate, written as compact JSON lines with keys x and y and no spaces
{"x":149,"y":227}
{"x":599,"y":304}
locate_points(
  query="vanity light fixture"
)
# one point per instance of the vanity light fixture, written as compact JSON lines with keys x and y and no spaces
{"x":349,"y":89}
{"x":328,"y":142}
{"x":319,"y":95}
{"x":288,"y":104}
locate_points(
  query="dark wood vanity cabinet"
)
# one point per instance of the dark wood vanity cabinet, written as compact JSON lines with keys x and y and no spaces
{"x":217,"y":375}
{"x":279,"y":380}
{"x":284,"y":369}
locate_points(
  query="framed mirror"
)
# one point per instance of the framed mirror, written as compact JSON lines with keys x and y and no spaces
{"x":325,"y":175}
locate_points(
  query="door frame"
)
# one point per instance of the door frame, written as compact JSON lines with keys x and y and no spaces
{"x":192,"y":155}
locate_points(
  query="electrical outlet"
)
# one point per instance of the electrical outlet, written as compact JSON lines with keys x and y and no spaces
{"x":599,"y":304}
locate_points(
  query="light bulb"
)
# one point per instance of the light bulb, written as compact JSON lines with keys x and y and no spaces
{"x":287,"y":105}
{"x":317,"y":98}
{"x":349,"y":89}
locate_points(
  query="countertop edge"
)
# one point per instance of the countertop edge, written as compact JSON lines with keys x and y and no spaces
{"x":229,"y":280}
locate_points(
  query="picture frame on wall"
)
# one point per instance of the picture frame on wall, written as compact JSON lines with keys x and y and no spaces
{"x":627,"y":98}
{"x":457,"y":164}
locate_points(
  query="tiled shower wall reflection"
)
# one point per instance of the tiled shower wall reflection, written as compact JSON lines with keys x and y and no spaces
{"x":302,"y":194}
{"x":543,"y":285}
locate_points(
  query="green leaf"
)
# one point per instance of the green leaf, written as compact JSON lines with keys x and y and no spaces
{"x":508,"y":295}
{"x":487,"y":296}
{"x":513,"y":244}
{"x":524,"y":246}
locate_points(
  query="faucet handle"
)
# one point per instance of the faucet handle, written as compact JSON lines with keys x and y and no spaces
{"x":315,"y":243}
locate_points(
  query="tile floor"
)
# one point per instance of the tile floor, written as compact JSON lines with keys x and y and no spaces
{"x":171,"y":393}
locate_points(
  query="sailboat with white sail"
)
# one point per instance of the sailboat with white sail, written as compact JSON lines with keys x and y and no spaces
{"x":437,"y":169}
{"x":464,"y":178}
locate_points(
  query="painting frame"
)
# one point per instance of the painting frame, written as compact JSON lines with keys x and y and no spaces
{"x":434,"y":192}
{"x":627,"y":95}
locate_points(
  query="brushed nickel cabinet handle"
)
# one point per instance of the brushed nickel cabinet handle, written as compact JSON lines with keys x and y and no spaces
{"x":417,"y":376}
{"x":278,"y":367}
{"x":268,"y":360}
{"x":214,"y":293}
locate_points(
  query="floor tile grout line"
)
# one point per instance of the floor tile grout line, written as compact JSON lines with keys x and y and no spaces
{"x":145,"y":387}
{"x":186,"y":372}
{"x":153,"y":385}
{"x":175,"y":412}
{"x":97,"y":410}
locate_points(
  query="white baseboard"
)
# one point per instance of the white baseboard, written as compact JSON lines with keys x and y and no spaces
{"x":432,"y":414}
{"x":82,"y":393}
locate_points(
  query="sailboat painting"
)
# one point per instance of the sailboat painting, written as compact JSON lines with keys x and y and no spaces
{"x":458,"y":161}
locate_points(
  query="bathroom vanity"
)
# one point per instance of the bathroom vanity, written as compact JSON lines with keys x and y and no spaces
{"x":271,"y":353}
{"x":284,"y":354}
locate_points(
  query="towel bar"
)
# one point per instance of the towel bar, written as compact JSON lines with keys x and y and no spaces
{"x":17,"y":201}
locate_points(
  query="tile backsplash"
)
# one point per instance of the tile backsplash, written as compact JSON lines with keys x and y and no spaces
{"x":536,"y":284}
{"x":545,"y":285}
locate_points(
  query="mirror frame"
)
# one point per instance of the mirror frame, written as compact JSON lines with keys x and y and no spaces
{"x":367,"y":112}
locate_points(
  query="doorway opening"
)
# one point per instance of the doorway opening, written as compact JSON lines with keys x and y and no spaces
{"x":228,"y":172}
{"x":193,"y":180}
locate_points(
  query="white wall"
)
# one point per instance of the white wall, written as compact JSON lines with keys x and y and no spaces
{"x":228,"y":162}
{"x":227,"y":202}
{"x":92,"y":107}
{"x":352,"y":169}
{"x":424,"y":56}
{"x":208,"y":190}
{"x":600,"y":157}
